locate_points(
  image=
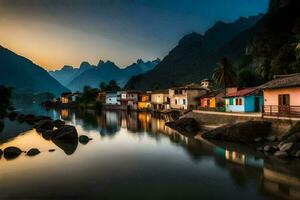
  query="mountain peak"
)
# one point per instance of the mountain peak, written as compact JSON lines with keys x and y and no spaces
{"x":101,"y":62}
{"x":140,"y":61}
{"x":84,"y":65}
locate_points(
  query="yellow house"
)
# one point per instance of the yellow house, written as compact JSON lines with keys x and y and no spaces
{"x":144,"y":102}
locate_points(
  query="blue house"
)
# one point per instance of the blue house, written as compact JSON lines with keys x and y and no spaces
{"x":244,"y":100}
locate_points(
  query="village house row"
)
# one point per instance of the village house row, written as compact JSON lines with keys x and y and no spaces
{"x":279,"y":97}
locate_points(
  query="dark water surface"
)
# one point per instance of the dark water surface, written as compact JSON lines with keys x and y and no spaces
{"x":136,"y":156}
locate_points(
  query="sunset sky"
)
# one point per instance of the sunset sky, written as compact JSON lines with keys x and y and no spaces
{"x":53,"y":33}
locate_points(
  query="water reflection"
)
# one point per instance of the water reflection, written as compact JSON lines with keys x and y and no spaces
{"x":137,"y":152}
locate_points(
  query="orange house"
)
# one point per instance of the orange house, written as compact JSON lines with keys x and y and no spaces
{"x":282,"y":96}
{"x":212,"y":99}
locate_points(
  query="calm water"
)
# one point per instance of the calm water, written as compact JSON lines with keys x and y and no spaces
{"x":136,"y":156}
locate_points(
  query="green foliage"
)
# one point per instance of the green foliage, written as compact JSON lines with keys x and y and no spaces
{"x":112,"y":86}
{"x":5,"y":99}
{"x":264,"y":70}
{"x":89,"y":95}
{"x":245,"y":61}
{"x":248,"y":78}
{"x":225,"y":75}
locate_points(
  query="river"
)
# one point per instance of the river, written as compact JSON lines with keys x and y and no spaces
{"x":136,"y":156}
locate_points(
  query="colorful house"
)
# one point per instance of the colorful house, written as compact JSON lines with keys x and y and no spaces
{"x":160,"y":100}
{"x":101,"y":97}
{"x":282,"y":95}
{"x":186,"y":97}
{"x":68,"y":97}
{"x":244,"y":100}
{"x":213,"y":99}
{"x":130,"y":98}
{"x":144,"y":102}
{"x":113,"y":98}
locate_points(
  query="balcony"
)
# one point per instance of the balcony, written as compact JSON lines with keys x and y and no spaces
{"x":281,"y":111}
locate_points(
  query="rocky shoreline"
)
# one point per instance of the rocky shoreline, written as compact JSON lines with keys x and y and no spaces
{"x":55,"y":130}
{"x":251,"y":133}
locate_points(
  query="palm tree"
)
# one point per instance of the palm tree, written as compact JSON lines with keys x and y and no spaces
{"x":225,"y":75}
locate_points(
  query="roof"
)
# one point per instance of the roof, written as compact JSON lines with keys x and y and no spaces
{"x":213,"y":93}
{"x":166,"y":91}
{"x":283,"y":81}
{"x":192,"y":86}
{"x":242,"y":92}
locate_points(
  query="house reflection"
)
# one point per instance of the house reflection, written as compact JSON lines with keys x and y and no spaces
{"x":281,"y":182}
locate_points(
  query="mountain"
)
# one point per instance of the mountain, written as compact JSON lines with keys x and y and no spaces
{"x":188,"y":61}
{"x":271,"y":37}
{"x":107,"y":71}
{"x":25,"y":76}
{"x":67,"y":73}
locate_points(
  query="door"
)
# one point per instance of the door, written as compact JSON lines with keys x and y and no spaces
{"x":283,"y":103}
{"x":256,"y":104}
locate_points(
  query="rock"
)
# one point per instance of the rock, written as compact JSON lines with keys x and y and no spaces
{"x":242,"y":132}
{"x":295,"y":137}
{"x":260,"y":148}
{"x":30,"y":119}
{"x":41,"y":117}
{"x":258,"y":139}
{"x":1,"y":152}
{"x":83,"y":139}
{"x":58,"y":123}
{"x":51,"y":150}
{"x":12,"y":152}
{"x":287,"y":147}
{"x":271,"y":138}
{"x":12,"y":115}
{"x":185,"y":125}
{"x":293,"y":130}
{"x":65,"y":132}
{"x":270,"y":149}
{"x":47,"y":135}
{"x":281,"y":154}
{"x":44,"y":125}
{"x":297,"y":154}
{"x":33,"y":152}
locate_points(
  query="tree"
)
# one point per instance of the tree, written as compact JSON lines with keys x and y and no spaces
{"x":111,"y":87}
{"x":264,"y":70}
{"x":248,"y":78}
{"x":89,"y":95}
{"x":225,"y":75}
{"x":5,"y":97}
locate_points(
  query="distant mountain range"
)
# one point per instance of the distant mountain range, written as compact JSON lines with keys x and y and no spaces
{"x":190,"y":60}
{"x":76,"y":78}
{"x":25,"y":76}
{"x":196,"y":55}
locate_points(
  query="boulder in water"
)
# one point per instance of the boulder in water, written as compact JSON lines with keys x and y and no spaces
{"x":65,"y":132}
{"x":47,"y":135}
{"x":241,"y":132}
{"x":185,"y":125}
{"x":44,"y":125}
{"x":58,"y":123}
{"x":33,"y":152}
{"x":83,"y":139}
{"x":12,"y":152}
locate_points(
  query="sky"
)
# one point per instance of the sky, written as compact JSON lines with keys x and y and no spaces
{"x":53,"y":33}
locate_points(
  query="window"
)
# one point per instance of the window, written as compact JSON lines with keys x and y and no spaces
{"x":284,"y":100}
{"x":238,"y":102}
{"x":231,"y":101}
{"x":176,"y":101}
{"x":183,"y":101}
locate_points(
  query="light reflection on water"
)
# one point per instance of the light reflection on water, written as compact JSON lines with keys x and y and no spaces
{"x":136,"y":155}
